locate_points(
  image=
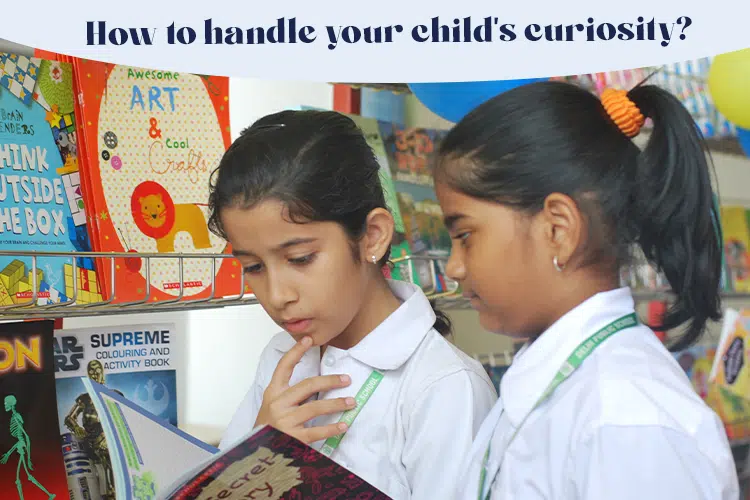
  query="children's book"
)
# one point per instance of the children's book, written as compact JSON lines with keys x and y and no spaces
{"x":41,"y":200}
{"x":730,"y":368}
{"x":152,"y":459}
{"x":410,"y":152}
{"x":403,"y":269}
{"x":138,"y":361}
{"x":736,"y":246}
{"x":152,"y":141}
{"x":135,"y":361}
{"x":31,"y":455}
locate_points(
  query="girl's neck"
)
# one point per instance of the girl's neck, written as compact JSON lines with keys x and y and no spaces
{"x":575,"y":295}
{"x":377,"y":305}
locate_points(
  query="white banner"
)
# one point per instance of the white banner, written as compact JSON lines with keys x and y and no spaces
{"x":383,"y":41}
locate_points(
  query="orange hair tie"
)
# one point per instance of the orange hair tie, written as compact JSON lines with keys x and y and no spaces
{"x":623,"y":111}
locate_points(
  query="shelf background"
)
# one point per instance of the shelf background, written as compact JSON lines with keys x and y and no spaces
{"x":221,"y":347}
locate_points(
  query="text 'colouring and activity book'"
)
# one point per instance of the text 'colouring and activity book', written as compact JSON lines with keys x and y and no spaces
{"x":152,"y":140}
{"x":41,"y":199}
{"x":153,"y":460}
{"x":31,"y":459}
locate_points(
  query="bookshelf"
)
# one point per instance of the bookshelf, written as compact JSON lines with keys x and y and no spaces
{"x":28,"y":307}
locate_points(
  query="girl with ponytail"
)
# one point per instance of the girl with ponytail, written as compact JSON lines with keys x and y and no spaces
{"x":545,"y":195}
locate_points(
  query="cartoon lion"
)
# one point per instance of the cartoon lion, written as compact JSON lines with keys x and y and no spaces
{"x":158,"y":217}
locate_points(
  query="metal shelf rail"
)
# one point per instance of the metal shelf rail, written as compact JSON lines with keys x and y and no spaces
{"x":28,"y":307}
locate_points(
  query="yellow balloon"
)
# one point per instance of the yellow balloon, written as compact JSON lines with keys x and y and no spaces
{"x":729,"y":84}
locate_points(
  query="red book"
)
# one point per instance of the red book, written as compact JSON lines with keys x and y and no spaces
{"x":151,"y":140}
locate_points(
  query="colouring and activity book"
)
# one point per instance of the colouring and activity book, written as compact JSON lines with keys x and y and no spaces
{"x":41,"y":199}
{"x":137,"y":362}
{"x":154,"y":460}
{"x":152,"y":140}
{"x":31,"y":458}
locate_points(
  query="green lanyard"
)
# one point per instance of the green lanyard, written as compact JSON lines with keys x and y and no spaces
{"x":363,"y":395}
{"x":566,"y":370}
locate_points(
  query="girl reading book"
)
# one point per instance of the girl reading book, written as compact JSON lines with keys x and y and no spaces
{"x":298,"y":196}
{"x":544,"y":193}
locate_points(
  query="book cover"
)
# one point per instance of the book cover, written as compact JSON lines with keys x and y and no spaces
{"x":146,"y":454}
{"x":402,"y":270}
{"x":41,"y":202}
{"x":153,"y":138}
{"x":152,"y":459}
{"x":271,"y":464}
{"x":730,"y":368}
{"x":410,"y":151}
{"x":736,"y":246}
{"x":137,"y":362}
{"x":31,"y":457}
{"x":697,"y":362}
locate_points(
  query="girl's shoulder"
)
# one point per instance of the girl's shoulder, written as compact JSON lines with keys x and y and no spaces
{"x":437,"y":359}
{"x":635,"y":381}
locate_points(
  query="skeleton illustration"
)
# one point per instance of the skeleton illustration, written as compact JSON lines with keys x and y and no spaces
{"x":22,"y":447}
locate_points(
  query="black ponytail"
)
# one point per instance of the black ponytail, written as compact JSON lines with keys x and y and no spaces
{"x":554,"y":137}
{"x":673,"y":198}
{"x":443,"y":323}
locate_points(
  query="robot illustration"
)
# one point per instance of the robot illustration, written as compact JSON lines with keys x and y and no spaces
{"x":90,"y":431}
{"x":22,"y":447}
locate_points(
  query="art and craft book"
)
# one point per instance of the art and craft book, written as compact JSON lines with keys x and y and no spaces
{"x":41,"y":199}
{"x":410,"y":151}
{"x":31,"y":456}
{"x":152,"y":140}
{"x":152,"y":459}
{"x":135,"y":361}
{"x":403,"y":269}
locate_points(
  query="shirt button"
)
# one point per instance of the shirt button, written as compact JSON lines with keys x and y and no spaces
{"x":329,"y":361}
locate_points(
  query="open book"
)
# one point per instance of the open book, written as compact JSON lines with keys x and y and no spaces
{"x":151,"y":459}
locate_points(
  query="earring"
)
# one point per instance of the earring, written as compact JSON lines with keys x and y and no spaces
{"x":557,"y":265}
{"x":374,"y":259}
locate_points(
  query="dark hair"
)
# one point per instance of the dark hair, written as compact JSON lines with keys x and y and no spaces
{"x":546,"y":137}
{"x":317,"y":163}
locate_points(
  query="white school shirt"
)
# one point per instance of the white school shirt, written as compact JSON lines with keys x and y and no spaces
{"x":626,"y":425}
{"x":411,"y":437}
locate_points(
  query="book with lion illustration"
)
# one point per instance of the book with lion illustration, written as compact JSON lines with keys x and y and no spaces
{"x":152,"y":459}
{"x":152,"y":139}
{"x":41,"y":200}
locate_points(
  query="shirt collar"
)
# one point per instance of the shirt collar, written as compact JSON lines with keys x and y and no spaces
{"x":394,"y":340}
{"x":536,"y":364}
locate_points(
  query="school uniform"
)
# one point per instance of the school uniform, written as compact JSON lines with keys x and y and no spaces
{"x":627,"y":424}
{"x":410,"y":438}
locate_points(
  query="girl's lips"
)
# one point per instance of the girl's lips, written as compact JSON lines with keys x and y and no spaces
{"x":297,"y":326}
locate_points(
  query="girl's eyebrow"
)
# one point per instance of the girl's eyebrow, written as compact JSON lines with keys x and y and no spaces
{"x":451,"y":220}
{"x":282,"y":246}
{"x":294,"y":242}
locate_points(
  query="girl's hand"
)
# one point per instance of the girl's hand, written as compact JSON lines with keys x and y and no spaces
{"x":282,"y":406}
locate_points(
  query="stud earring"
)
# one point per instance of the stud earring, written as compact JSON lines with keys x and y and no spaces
{"x":374,"y":259}
{"x":557,"y":265}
